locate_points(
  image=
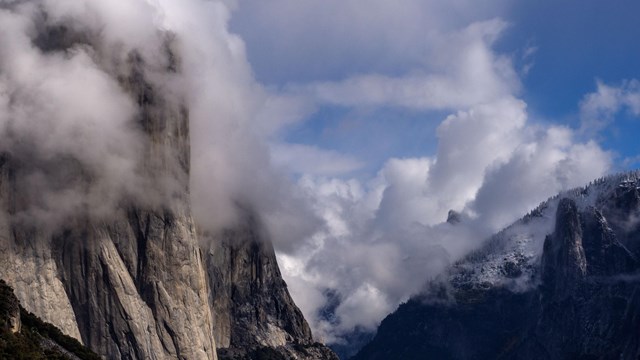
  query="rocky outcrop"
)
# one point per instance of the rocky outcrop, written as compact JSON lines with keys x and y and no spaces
{"x":453,"y":217}
{"x":25,"y":336}
{"x":9,"y":309}
{"x":605,"y":255}
{"x":590,"y":317}
{"x":563,"y":261}
{"x":251,"y":305}
{"x":578,"y":299}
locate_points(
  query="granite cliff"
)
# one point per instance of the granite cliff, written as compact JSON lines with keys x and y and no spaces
{"x":137,"y":281}
{"x":249,"y":299}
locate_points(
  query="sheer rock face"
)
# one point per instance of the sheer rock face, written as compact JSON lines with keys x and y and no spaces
{"x":581,"y":300}
{"x":130,"y":284}
{"x":27,"y":262}
{"x":138,"y":286}
{"x":563,"y":261}
{"x":251,"y":305}
{"x":250,"y":301}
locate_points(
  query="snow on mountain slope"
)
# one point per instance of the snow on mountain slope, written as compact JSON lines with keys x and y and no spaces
{"x":511,"y":257}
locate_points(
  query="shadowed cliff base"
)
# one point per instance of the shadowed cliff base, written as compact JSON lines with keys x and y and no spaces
{"x":25,"y":336}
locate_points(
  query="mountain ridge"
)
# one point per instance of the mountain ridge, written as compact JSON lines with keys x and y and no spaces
{"x":561,"y":282}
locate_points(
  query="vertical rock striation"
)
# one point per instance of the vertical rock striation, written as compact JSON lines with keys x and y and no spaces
{"x":250,"y":301}
{"x":27,"y":263}
{"x":130,"y":284}
{"x":563,"y":261}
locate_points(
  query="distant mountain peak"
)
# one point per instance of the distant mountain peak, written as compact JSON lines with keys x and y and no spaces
{"x":560,"y":282}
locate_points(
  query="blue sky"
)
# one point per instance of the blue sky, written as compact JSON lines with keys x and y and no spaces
{"x":577,"y":45}
{"x":570,"y":45}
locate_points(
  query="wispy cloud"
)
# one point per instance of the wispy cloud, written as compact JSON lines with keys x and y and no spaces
{"x":305,"y":159}
{"x":598,"y":109}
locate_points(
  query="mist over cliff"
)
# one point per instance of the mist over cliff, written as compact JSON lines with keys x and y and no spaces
{"x":69,"y":103}
{"x":126,"y":148}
